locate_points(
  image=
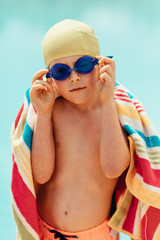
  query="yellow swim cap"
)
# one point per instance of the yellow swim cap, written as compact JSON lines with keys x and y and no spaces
{"x":69,"y":38}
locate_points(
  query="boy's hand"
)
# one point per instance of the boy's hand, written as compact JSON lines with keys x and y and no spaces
{"x":106,"y":83}
{"x":43,"y":93}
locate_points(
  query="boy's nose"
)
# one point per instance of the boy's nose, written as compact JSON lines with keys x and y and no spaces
{"x":74,"y":76}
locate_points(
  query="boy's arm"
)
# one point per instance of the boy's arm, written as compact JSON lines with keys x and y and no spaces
{"x":42,"y":96}
{"x":43,"y":152}
{"x":114,"y":150}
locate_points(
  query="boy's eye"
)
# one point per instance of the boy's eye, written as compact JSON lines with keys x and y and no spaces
{"x":85,"y":65}
{"x":60,"y":71}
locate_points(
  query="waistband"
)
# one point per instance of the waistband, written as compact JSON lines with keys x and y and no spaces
{"x":101,"y":231}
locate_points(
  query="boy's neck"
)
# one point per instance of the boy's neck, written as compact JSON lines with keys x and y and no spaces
{"x":87,"y":107}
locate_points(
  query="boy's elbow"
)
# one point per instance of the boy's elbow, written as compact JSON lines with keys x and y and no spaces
{"x":114,"y":169}
{"x":42,"y":179}
{"x":111,"y":172}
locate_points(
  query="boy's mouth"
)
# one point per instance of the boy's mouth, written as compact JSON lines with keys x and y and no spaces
{"x":77,"y":89}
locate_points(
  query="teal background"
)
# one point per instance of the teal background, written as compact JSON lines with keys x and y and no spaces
{"x":128,"y":30}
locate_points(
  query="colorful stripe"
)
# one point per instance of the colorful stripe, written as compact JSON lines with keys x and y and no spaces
{"x":150,"y":222}
{"x":24,"y":198}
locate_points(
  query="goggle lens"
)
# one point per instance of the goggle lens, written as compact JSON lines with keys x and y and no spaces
{"x":85,"y":66}
{"x":60,"y":72}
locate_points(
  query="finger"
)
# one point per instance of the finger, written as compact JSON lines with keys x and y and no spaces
{"x":39,"y":75}
{"x":99,"y":85}
{"x":98,"y":57}
{"x":41,"y":82}
{"x":49,"y":80}
{"x":108,"y":70}
{"x":107,"y":80}
{"x":47,"y":85}
{"x":39,"y":87}
{"x":104,"y":77}
{"x":105,"y":61}
{"x":55,"y":86}
{"x":57,"y":94}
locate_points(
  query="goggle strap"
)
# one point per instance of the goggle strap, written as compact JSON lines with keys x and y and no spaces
{"x":95,"y":61}
{"x":48,"y":75}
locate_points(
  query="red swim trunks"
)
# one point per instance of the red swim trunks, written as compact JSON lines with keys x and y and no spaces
{"x":100,"y":232}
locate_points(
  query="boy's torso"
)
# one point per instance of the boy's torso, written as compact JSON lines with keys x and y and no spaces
{"x":78,"y":196}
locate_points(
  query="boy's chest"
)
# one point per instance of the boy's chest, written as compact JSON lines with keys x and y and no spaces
{"x":77,"y":138}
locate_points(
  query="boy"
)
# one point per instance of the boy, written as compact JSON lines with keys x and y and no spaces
{"x":79,"y":148}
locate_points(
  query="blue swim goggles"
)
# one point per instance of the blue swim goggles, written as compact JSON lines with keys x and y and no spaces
{"x":62,"y":71}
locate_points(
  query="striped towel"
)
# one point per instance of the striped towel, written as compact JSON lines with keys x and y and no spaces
{"x":137,"y":191}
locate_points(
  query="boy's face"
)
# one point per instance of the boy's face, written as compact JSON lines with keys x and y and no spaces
{"x":77,"y":87}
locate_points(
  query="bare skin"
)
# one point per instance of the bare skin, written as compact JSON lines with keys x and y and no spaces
{"x":76,"y":157}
